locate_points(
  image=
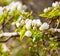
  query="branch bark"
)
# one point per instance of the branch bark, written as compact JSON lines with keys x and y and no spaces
{"x":9,"y":35}
{"x":17,"y":34}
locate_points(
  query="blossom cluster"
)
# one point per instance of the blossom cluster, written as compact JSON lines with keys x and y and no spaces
{"x":12,"y":6}
{"x":54,"y":5}
{"x":32,"y":24}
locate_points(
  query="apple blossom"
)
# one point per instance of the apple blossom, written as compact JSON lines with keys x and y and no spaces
{"x":38,"y":22}
{"x":44,"y":26}
{"x":49,"y":8}
{"x":28,"y":24}
{"x":34,"y":22}
{"x":55,"y":4}
{"x":45,"y":10}
{"x":28,"y":33}
{"x":27,"y":20}
{"x":12,"y":7}
{"x":19,"y":6}
{"x":22,"y":22}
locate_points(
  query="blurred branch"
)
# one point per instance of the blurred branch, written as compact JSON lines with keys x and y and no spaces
{"x":9,"y":35}
{"x":8,"y":20}
{"x":17,"y":34}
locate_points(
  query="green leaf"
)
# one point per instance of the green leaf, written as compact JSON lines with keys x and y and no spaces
{"x":53,"y":13}
{"x":22,"y":32}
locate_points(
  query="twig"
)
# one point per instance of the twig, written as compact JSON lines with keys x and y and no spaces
{"x":8,"y":20}
{"x":17,"y":34}
{"x":9,"y":35}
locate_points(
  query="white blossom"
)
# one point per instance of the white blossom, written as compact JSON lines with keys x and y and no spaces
{"x":12,"y":5}
{"x":22,"y":22}
{"x":49,"y":8}
{"x":45,"y":10}
{"x":38,"y":22}
{"x":28,"y":33}
{"x":5,"y":48}
{"x":34,"y":22}
{"x":44,"y":26}
{"x":55,"y":4}
{"x":27,"y":20}
{"x":28,"y":24}
{"x":1,"y":11}
{"x":24,"y":7}
{"x":19,"y":6}
{"x":15,"y":5}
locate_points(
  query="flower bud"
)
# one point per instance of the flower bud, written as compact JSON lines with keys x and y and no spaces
{"x":45,"y":10}
{"x":55,"y":4}
{"x":28,"y":33}
{"x":28,"y":24}
{"x":44,"y":26}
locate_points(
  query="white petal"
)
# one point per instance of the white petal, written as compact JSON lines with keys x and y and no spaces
{"x":28,"y":24}
{"x":28,"y":33}
{"x":22,"y":22}
{"x":44,"y":26}
{"x":12,"y":6}
{"x":38,"y":22}
{"x":45,"y":10}
{"x":34,"y":22}
{"x":27,"y":20}
{"x":55,"y":4}
{"x":49,"y":8}
{"x":12,"y":3}
{"x":19,"y":6}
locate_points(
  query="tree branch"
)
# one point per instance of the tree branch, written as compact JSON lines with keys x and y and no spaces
{"x":8,"y":20}
{"x":17,"y":34}
{"x":9,"y":35}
